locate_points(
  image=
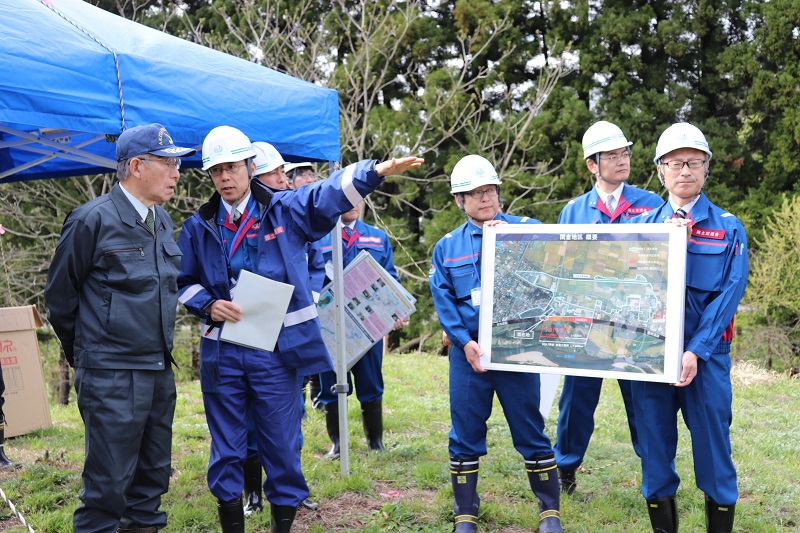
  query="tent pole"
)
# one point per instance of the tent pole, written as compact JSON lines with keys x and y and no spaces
{"x":340,"y":360}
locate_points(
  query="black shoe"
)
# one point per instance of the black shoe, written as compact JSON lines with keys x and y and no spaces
{"x":567,"y":480}
{"x":663,"y":514}
{"x":5,"y":462}
{"x":316,"y":404}
{"x":254,"y":503}
{"x":231,"y":515}
{"x":372,"y":417}
{"x":332,"y":427}
{"x":282,"y":518}
{"x":333,"y":453}
{"x":719,"y":518}
{"x":309,"y":504}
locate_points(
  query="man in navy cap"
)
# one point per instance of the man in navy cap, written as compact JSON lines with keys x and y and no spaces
{"x":112,"y":294}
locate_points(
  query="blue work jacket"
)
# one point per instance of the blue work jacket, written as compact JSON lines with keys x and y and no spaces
{"x":716,"y":274}
{"x":288,"y":220}
{"x":369,"y":238}
{"x":455,"y":272}
{"x":588,"y":209}
{"x":316,"y":268}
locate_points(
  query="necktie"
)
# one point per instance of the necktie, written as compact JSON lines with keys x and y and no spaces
{"x":680,"y":213}
{"x":236,"y":216}
{"x":150,"y":221}
{"x":611,"y":204}
{"x":348,"y":232}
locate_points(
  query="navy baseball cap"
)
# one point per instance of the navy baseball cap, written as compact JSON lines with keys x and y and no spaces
{"x":149,"y":139}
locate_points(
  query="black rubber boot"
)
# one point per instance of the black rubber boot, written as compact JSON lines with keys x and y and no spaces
{"x":543,"y":479}
{"x":231,"y":515}
{"x":663,"y":514}
{"x":567,"y":480}
{"x":253,"y":499}
{"x":719,"y":518}
{"x":467,"y":503}
{"x":372,"y":416}
{"x":5,"y":462}
{"x":313,"y":391}
{"x":332,"y":425}
{"x":282,"y":518}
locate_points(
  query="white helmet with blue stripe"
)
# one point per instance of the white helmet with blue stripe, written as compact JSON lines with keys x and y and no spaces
{"x":681,"y":135}
{"x":267,"y":158}
{"x":603,"y":136}
{"x":471,"y":172}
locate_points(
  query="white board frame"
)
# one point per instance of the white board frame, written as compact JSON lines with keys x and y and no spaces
{"x":659,"y":239}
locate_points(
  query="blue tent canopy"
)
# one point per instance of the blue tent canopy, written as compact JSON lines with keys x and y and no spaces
{"x":73,"y":77}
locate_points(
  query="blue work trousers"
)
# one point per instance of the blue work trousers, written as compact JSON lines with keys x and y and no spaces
{"x":252,"y":434}
{"x":260,"y":378}
{"x":576,"y":407}
{"x":127,"y":416}
{"x":367,"y":374}
{"x":706,"y":408}
{"x":471,"y":396}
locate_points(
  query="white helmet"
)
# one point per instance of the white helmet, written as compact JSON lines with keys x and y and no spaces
{"x":681,"y":135}
{"x":288,"y":167}
{"x":267,"y":158}
{"x":225,"y":144}
{"x":603,"y":136}
{"x":471,"y":172}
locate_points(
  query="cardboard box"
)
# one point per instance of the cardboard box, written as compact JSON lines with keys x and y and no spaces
{"x":26,"y":407}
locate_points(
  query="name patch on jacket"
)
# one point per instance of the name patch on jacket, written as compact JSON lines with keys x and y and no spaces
{"x":638,"y":210}
{"x":718,"y":234}
{"x":270,"y":236}
{"x":369,"y":240}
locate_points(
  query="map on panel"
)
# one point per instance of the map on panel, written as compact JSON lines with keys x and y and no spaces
{"x":592,"y":301}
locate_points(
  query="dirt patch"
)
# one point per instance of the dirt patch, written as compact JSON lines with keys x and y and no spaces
{"x":354,"y":511}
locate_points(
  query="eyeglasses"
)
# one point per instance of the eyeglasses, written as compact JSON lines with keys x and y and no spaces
{"x":613,"y":158}
{"x":230,"y":168}
{"x":678,"y":165}
{"x":169,"y":161}
{"x":478,"y":195}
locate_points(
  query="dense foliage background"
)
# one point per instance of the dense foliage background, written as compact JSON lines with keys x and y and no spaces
{"x":518,"y":82}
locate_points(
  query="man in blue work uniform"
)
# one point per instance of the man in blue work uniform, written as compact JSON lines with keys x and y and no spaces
{"x":269,"y":171}
{"x":456,"y":285}
{"x":247,"y":226}
{"x":367,"y":372}
{"x":716,"y":276}
{"x":298,"y":175}
{"x":611,"y":200}
{"x":112,"y":294}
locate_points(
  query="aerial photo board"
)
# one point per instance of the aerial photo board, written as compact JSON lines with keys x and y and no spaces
{"x":597,"y":300}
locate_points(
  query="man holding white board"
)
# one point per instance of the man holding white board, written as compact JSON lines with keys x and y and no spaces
{"x":716,"y":276}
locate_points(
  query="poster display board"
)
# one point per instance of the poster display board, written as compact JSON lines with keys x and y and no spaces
{"x":373,"y":301}
{"x":596,"y":300}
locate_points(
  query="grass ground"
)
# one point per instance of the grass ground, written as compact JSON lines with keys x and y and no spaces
{"x":407,"y":488}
